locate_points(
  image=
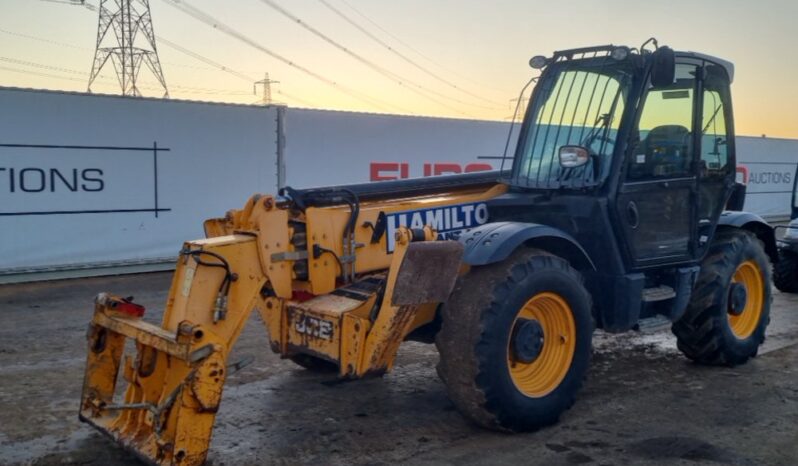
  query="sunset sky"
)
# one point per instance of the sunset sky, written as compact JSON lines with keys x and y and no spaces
{"x":464,"y":59}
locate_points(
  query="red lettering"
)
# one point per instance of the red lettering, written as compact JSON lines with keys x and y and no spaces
{"x":478,"y":167}
{"x":743,"y":170}
{"x":377,"y":168}
{"x":382,"y":171}
{"x":405,"y":170}
{"x":441,"y":168}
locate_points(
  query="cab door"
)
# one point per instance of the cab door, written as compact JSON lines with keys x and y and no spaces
{"x":716,"y":158}
{"x":655,"y":205}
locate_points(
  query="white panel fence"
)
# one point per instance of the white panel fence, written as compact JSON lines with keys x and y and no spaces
{"x":92,"y":183}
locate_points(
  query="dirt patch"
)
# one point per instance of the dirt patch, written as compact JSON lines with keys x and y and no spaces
{"x":643,"y":403}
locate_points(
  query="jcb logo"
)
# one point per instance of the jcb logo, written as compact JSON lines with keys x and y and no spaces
{"x":313,"y":327}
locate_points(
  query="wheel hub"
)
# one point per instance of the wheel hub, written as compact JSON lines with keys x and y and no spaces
{"x":738,"y":298}
{"x":527,"y":342}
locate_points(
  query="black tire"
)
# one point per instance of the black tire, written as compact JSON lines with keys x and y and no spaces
{"x":785,"y":273}
{"x":313,"y":364}
{"x":705,"y":334}
{"x":474,"y":340}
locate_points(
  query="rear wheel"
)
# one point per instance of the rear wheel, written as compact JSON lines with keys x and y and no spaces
{"x":515,"y":341}
{"x":729,"y":309}
{"x":785,"y":273}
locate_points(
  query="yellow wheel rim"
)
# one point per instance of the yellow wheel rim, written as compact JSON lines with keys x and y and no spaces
{"x":541,"y":376}
{"x":750,"y":276}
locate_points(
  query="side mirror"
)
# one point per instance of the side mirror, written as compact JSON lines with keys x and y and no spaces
{"x":573,"y":156}
{"x":663,"y":69}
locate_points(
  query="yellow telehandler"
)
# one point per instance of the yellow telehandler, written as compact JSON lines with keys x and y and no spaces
{"x":620,"y":207}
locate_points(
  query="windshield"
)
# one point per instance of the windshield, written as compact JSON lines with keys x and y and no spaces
{"x":576,"y":103}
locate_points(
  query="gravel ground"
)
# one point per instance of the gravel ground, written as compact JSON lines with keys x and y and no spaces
{"x":643,"y":403}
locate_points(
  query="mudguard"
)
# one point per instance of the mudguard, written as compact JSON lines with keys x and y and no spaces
{"x":755,"y":224}
{"x":494,"y":242}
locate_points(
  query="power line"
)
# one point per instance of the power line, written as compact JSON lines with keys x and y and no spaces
{"x":201,"y":90}
{"x":199,"y":57}
{"x":399,"y":54}
{"x":217,"y":65}
{"x":204,"y":59}
{"x":40,"y":39}
{"x":73,"y":46}
{"x":52,"y":76}
{"x":415,"y":87}
{"x":298,"y":99}
{"x":213,"y":66}
{"x":416,"y":51}
{"x":209,"y":20}
{"x":42,"y":66}
{"x":36,"y":73}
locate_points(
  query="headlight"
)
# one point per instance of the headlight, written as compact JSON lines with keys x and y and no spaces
{"x":620,"y":53}
{"x":538,"y":62}
{"x":792,"y":231}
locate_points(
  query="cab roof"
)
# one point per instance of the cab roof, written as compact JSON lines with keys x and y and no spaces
{"x":729,"y":66}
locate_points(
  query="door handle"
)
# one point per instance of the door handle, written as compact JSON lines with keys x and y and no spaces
{"x":632,"y":215}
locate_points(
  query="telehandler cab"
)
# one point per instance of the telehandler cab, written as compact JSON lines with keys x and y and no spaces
{"x":612,"y":214}
{"x":785,"y":271}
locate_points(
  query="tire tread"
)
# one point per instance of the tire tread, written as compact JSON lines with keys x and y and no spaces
{"x":469,"y":312}
{"x":703,"y":332}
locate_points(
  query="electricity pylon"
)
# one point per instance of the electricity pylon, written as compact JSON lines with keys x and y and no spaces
{"x":131,"y":44}
{"x":267,"y":89}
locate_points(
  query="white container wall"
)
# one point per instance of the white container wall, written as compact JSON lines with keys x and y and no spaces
{"x":326,"y":148}
{"x":90,"y":182}
{"x":767,"y":167}
{"x":96,"y":181}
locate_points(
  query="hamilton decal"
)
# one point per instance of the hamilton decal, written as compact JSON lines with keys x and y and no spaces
{"x":448,"y":221}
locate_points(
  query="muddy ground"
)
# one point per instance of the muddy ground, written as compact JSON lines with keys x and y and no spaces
{"x":643,"y":403}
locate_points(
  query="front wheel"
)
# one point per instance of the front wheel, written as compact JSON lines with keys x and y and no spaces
{"x":729,"y":309}
{"x":515,"y":341}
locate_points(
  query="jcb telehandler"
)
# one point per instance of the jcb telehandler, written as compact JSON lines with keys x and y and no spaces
{"x":612,"y":214}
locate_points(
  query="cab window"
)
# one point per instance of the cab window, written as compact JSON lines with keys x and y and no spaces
{"x":663,"y":147}
{"x":714,"y":138}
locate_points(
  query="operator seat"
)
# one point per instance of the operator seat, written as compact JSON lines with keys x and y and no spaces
{"x":667,"y":152}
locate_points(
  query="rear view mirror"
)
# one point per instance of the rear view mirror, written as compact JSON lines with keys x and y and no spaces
{"x":663,"y":69}
{"x":573,"y":156}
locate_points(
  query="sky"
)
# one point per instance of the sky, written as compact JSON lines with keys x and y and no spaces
{"x":462,"y":59}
